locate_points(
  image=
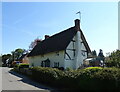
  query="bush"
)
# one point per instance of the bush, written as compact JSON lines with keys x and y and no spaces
{"x":109,"y":78}
{"x":114,"y":59}
{"x":91,"y":78}
{"x":46,"y":75}
{"x":96,"y":78}
{"x":21,"y":68}
{"x":23,"y":65}
{"x":92,"y":70}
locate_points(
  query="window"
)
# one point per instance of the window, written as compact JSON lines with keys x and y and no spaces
{"x":56,"y":64}
{"x":45,"y":63}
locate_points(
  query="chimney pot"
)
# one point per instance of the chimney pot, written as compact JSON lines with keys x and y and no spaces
{"x":47,"y":36}
{"x":77,"y":24}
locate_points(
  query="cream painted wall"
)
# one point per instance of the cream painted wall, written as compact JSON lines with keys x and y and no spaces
{"x":64,"y":61}
{"x":53,"y":57}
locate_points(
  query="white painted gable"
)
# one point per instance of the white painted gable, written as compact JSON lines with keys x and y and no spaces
{"x":71,"y":57}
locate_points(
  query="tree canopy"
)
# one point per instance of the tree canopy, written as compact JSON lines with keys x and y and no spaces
{"x":114,"y":59}
{"x":34,"y":43}
{"x":5,"y":57}
{"x":94,"y":54}
{"x":17,"y":53}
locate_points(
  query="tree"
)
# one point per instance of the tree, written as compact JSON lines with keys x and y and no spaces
{"x":34,"y":43}
{"x":5,"y":57}
{"x":94,"y":54}
{"x":0,"y":60}
{"x":114,"y":59}
{"x":17,"y":53}
{"x":101,"y":56}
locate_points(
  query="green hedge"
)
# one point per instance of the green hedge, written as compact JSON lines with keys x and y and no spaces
{"x":21,"y":68}
{"x":46,"y":75}
{"x":91,"y":78}
{"x":99,"y":79}
{"x":23,"y":65}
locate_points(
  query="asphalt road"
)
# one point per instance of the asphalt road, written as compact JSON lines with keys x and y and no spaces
{"x":15,"y":81}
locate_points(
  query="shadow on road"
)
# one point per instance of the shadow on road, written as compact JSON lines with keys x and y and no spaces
{"x":27,"y":80}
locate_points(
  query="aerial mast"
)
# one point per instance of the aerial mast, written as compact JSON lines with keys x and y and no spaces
{"x":79,"y":14}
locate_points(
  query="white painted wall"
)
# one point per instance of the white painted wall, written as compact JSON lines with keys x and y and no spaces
{"x":69,"y":63}
{"x":83,"y":49}
{"x":76,"y":60}
{"x":53,"y":57}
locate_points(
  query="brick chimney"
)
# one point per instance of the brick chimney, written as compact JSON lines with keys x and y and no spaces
{"x":47,"y":36}
{"x":77,"y":24}
{"x":38,"y":41}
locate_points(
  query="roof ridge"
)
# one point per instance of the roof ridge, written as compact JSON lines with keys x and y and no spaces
{"x":60,"y":32}
{"x":47,"y":45}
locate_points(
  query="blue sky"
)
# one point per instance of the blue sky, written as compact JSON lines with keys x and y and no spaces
{"x":22,"y":22}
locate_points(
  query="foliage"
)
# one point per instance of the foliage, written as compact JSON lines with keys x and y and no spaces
{"x":34,"y":43}
{"x":46,"y":75}
{"x":95,"y":69}
{"x":97,"y":60}
{"x":0,"y":61}
{"x":92,"y":78}
{"x":100,"y":55}
{"x":22,"y":68}
{"x":23,"y":65}
{"x":5,"y":59}
{"x":114,"y":59}
{"x":94,"y":54}
{"x":17,"y":53}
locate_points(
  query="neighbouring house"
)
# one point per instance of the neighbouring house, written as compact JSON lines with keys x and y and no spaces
{"x":93,"y":62}
{"x":24,"y":59}
{"x":66,"y":49}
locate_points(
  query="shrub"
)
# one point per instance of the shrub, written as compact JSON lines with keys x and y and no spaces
{"x":114,"y":59}
{"x":23,"y":65}
{"x":21,"y":68}
{"x":100,"y":78}
{"x":68,"y":78}
{"x":16,"y":69}
{"x":45,"y":74}
{"x":92,"y":70}
{"x":91,"y":78}
{"x":108,"y":78}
